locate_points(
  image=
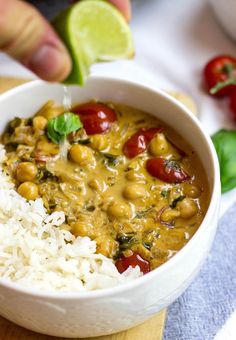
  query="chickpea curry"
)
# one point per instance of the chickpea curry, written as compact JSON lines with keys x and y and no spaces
{"x":123,"y":178}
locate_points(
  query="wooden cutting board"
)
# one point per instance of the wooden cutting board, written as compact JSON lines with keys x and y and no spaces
{"x":150,"y":330}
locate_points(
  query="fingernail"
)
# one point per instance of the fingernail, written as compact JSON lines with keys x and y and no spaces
{"x":50,"y":62}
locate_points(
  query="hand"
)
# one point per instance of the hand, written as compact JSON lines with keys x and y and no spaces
{"x":28,"y":37}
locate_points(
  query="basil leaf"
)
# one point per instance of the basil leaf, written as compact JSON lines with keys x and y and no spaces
{"x":52,"y":134}
{"x":59,"y":127}
{"x":225,"y":145}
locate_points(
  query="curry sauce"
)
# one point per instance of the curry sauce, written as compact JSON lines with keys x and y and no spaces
{"x":147,"y":198}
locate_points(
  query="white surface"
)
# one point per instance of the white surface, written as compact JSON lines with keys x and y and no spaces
{"x":123,"y":306}
{"x":173,"y":39}
{"x":225,"y":11}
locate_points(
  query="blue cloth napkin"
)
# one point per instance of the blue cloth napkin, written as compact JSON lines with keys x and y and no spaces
{"x":207,"y":304}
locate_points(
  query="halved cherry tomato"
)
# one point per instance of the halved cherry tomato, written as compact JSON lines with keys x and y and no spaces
{"x":220,"y":75}
{"x":96,"y":117}
{"x":138,"y":143}
{"x":167,"y":171}
{"x":232,"y":104}
{"x":134,"y":260}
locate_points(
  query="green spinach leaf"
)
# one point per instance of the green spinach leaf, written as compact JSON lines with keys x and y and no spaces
{"x":225,"y":145}
{"x":176,"y":200}
{"x":112,"y":160}
{"x":59,"y":127}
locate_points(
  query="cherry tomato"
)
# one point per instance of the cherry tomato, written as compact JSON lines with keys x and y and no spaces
{"x":138,"y":143}
{"x":167,"y":171}
{"x":220,"y":73}
{"x":134,"y":260}
{"x":232,"y":104}
{"x":96,"y":117}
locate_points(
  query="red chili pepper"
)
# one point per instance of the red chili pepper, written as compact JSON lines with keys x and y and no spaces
{"x":167,"y":171}
{"x":138,"y":143}
{"x":96,"y":117}
{"x":134,"y":260}
{"x":220,"y":75}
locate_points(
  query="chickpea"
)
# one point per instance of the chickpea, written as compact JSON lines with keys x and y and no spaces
{"x":39,"y":123}
{"x":81,"y":154}
{"x":169,"y":215}
{"x":187,"y":208}
{"x":159,"y":145}
{"x":28,"y":190}
{"x":119,"y":210}
{"x":106,"y":245}
{"x":26,"y":171}
{"x":134,"y":165}
{"x":80,"y":228}
{"x":99,"y":142}
{"x":134,"y":176}
{"x":174,"y":240}
{"x":134,"y":191}
{"x":191,"y":190}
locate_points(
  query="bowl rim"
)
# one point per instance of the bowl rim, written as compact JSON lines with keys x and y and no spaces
{"x":118,"y":289}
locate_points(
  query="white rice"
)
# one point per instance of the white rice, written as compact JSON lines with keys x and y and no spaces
{"x":35,"y":252}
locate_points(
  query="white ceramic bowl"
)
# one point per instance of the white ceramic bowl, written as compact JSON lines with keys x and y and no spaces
{"x":115,"y":309}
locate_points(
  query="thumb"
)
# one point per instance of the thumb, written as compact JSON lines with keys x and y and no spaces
{"x":27,"y":36}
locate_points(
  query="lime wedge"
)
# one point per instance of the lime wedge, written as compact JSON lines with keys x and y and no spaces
{"x":93,"y":30}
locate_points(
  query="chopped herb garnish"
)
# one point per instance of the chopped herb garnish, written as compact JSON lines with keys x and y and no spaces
{"x":147,"y":245}
{"x":13,"y":124}
{"x":143,"y":213}
{"x":59,"y":127}
{"x":84,"y":141}
{"x":52,"y":204}
{"x":174,"y":165}
{"x":45,"y":174}
{"x":11,"y":147}
{"x":112,"y":160}
{"x":90,"y":208}
{"x":176,"y":200}
{"x":29,"y":122}
{"x":140,"y":121}
{"x":165,"y":193}
{"x":126,"y":240}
